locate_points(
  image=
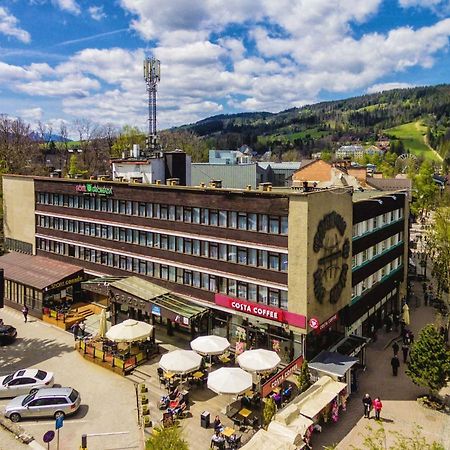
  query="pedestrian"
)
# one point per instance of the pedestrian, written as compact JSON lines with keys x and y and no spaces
{"x":396,"y":320}
{"x":425,"y":297}
{"x":377,"y":405}
{"x":395,"y":363}
{"x":405,"y":350}
{"x":395,"y":348}
{"x":411,"y":337}
{"x":367,"y":402}
{"x":406,"y":337}
{"x":75,"y":330}
{"x":82,"y":329}
{"x":25,"y":313}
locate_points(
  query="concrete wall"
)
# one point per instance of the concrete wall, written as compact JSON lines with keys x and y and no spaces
{"x":18,"y":209}
{"x":305,"y":214}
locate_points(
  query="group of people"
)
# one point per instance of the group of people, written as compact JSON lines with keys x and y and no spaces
{"x":408,"y":339}
{"x":218,"y":439}
{"x":78,"y":330}
{"x":370,"y":404}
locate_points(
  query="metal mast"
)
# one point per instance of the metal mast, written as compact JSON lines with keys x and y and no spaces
{"x":152,"y":76}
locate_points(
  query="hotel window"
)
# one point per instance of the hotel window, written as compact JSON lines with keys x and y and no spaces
{"x":284,"y":225}
{"x":149,"y":210}
{"x":196,"y":247}
{"x":196,"y":279}
{"x":171,"y":212}
{"x":135,"y":208}
{"x":242,"y":221}
{"x":205,"y":281}
{"x":232,"y":287}
{"x":232,"y":219}
{"x":274,"y":261}
{"x":156,"y":210}
{"x":188,"y":246}
{"x":274,"y":225}
{"x":274,"y":297}
{"x":156,"y":238}
{"x":213,"y":250}
{"x":141,"y":211}
{"x":149,"y":239}
{"x":232,"y":253}
{"x":223,"y":252}
{"x":354,"y":261}
{"x":129,"y":207}
{"x":262,"y":295}
{"x":263,"y":223}
{"x":223,"y":216}
{"x":353,"y":291}
{"x":392,"y":216}
{"x":196,"y":215}
{"x":142,"y":238}
{"x":163,"y":211}
{"x":187,"y":214}
{"x":142,"y":267}
{"x":179,"y":213}
{"x":212,"y":283}
{"x":222,"y":285}
{"x":284,"y":262}
{"x":262,"y":258}
{"x":283,"y":300}
{"x":188,"y":277}
{"x":242,"y":290}
{"x":156,"y":270}
{"x":252,"y":257}
{"x":242,"y":255}
{"x":204,"y":248}
{"x":384,"y":218}
{"x":149,"y":268}
{"x":213,"y":217}
{"x":164,"y":241}
{"x":205,"y":216}
{"x":252,"y":292}
{"x":180,"y":245}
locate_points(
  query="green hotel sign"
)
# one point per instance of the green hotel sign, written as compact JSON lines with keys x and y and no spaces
{"x":94,"y":189}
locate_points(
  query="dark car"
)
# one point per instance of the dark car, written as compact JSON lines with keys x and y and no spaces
{"x":7,"y":334}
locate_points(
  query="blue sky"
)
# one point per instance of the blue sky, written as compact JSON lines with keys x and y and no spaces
{"x":63,"y":60}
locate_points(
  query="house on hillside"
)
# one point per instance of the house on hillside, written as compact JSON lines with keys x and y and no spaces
{"x":373,"y":150}
{"x":350,"y":151}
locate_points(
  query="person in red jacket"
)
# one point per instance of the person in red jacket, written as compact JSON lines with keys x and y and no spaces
{"x":377,"y":405}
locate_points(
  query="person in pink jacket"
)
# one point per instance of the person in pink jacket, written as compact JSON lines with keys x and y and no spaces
{"x":377,"y":405}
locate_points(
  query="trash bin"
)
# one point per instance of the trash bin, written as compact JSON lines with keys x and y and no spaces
{"x":205,"y":419}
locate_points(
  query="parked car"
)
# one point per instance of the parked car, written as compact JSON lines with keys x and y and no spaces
{"x":24,"y":381}
{"x":46,"y":402}
{"x":7,"y":334}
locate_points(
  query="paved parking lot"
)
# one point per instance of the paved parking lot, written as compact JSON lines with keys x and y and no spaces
{"x":108,"y":400}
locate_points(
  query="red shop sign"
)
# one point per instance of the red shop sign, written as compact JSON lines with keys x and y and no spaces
{"x":280,"y":377}
{"x":259,"y":310}
{"x":313,"y":323}
{"x":328,"y":323}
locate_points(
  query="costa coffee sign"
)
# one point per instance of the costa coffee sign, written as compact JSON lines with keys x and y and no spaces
{"x":281,"y":377}
{"x":259,"y":310}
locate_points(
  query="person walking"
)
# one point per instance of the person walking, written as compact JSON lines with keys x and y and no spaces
{"x":405,"y":350}
{"x":395,"y":363}
{"x":82,"y":329}
{"x":395,"y":348}
{"x":377,"y":405}
{"x":75,"y":330}
{"x":25,"y":313}
{"x":367,"y":402}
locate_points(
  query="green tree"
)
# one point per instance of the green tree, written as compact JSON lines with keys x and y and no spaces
{"x":269,"y":410}
{"x":128,"y":136}
{"x":426,"y":190}
{"x":429,"y":364}
{"x":74,"y":168}
{"x":304,"y":377}
{"x":326,"y":156}
{"x":166,"y":439}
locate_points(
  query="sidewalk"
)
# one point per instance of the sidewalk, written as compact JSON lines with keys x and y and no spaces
{"x":400,"y":412}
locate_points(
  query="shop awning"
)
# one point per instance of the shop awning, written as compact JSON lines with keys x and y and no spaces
{"x":266,"y":439}
{"x":319,"y":395}
{"x":139,"y":288}
{"x":39,"y":272}
{"x":350,"y":345}
{"x":99,"y":285}
{"x":332,"y":363}
{"x":177,"y":308}
{"x":290,"y":423}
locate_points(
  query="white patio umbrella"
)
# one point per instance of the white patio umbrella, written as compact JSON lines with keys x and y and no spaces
{"x":210,"y":345}
{"x":129,"y":331}
{"x":180,"y":361}
{"x":229,"y":380}
{"x":102,"y":324}
{"x":258,"y":360}
{"x":405,"y":315}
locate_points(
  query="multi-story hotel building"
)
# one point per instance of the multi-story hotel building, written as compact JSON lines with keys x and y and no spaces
{"x":270,"y":268}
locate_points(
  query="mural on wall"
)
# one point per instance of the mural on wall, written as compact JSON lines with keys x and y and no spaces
{"x":333,"y":250}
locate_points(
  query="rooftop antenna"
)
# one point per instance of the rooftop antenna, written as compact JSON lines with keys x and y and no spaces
{"x":152,"y":76}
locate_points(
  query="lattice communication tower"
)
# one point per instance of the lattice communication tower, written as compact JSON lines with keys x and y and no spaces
{"x":152,"y":76}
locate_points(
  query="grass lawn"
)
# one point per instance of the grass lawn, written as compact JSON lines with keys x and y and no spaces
{"x":412,"y":135}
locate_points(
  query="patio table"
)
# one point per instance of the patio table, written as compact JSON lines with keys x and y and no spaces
{"x":228,"y":432}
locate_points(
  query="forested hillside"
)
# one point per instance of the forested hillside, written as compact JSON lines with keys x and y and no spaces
{"x":326,"y":125}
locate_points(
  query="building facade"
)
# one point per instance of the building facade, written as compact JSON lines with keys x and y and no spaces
{"x":275,"y":269}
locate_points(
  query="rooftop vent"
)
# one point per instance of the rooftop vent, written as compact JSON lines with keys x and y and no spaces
{"x":215,"y":183}
{"x":173,"y":181}
{"x":265,"y":187}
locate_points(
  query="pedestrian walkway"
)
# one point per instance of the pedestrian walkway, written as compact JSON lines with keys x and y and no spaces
{"x":401,"y":412}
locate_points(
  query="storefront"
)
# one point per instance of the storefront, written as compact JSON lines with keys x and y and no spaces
{"x":136,"y":298}
{"x":45,"y":286}
{"x":250,"y":325}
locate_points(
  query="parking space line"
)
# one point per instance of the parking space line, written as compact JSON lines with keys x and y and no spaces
{"x":66,"y":422}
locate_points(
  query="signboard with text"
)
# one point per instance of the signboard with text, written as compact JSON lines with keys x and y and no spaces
{"x":94,"y":189}
{"x":281,"y":377}
{"x":260,"y":310}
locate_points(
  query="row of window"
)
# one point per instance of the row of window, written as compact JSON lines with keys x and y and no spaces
{"x":200,"y":280}
{"x":367,"y":226}
{"x":376,"y":277}
{"x":205,"y":216}
{"x":213,"y":250}
{"x":372,"y":252}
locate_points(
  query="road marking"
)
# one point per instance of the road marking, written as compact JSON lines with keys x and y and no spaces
{"x":66,"y":422}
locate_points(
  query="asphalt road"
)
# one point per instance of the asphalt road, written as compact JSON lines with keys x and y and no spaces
{"x":108,"y":401}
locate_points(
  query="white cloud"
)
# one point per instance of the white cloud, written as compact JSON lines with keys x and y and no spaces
{"x":96,"y":12}
{"x":72,"y":85}
{"x":387,"y":87}
{"x":70,"y":6}
{"x":32,"y":115}
{"x":9,"y":26}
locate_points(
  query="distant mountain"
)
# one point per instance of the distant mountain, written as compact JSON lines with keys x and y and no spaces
{"x":49,"y":137}
{"x":328,"y":124}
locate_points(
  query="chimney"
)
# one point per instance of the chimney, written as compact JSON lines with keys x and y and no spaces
{"x":249,"y":187}
{"x":215,"y":184}
{"x":173,"y":181}
{"x":158,"y":182}
{"x":265,"y":187}
{"x":136,"y":179}
{"x":202,"y":185}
